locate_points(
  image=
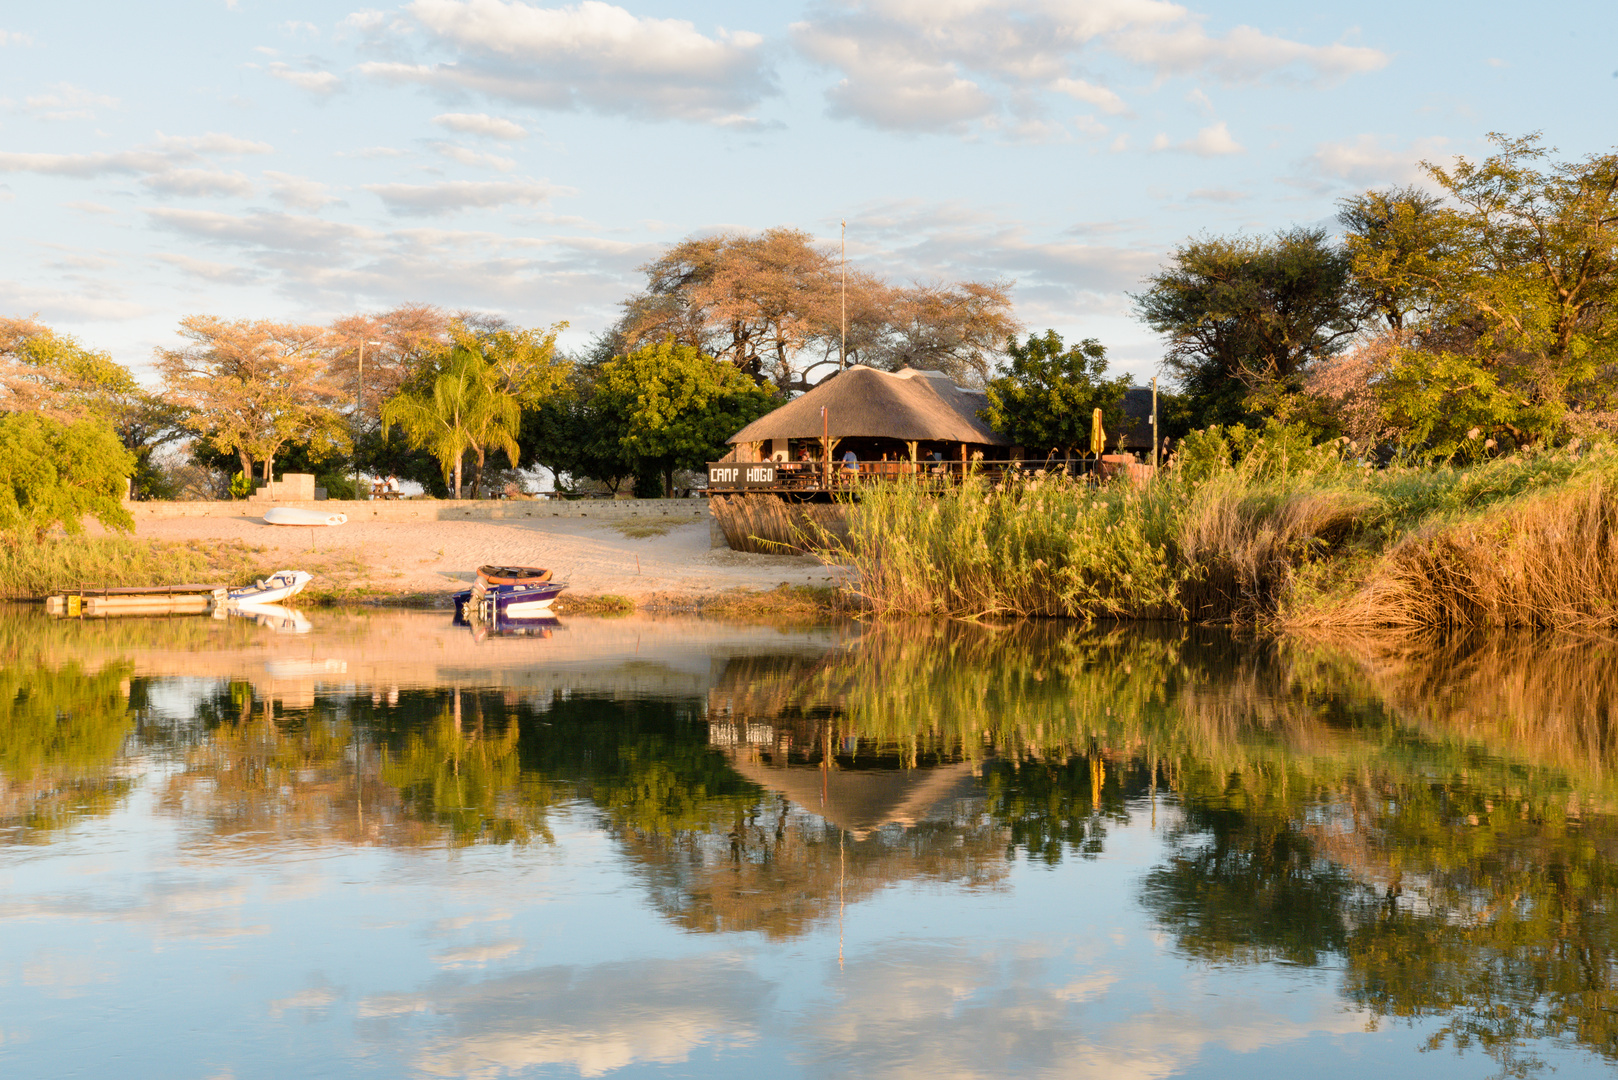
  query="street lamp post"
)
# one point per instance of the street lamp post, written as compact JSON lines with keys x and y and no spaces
{"x":359,"y":406}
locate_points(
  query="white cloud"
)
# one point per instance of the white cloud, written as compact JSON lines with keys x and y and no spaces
{"x":473,"y":158}
{"x":58,"y":306}
{"x":367,"y":21}
{"x":592,"y":56}
{"x":173,"y":165}
{"x":64,"y":101}
{"x":198,"y":182}
{"x":1366,"y":159}
{"x":986,"y":57}
{"x":90,"y":207}
{"x":12,"y":37}
{"x":298,"y":192}
{"x":492,"y":127}
{"x":450,"y":196}
{"x":319,"y":83}
{"x":295,"y":28}
{"x":1212,"y":141}
{"x":1099,"y":96}
{"x":261,"y":230}
{"x":212,"y":272}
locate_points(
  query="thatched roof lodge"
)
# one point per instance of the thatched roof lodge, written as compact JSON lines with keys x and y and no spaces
{"x":906,"y":415}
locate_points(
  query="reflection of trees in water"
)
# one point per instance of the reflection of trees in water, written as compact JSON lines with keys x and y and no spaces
{"x":61,"y":734}
{"x":1440,"y":823}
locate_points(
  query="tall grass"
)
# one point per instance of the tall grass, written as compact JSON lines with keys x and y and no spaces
{"x":29,"y":570}
{"x":1300,"y":538}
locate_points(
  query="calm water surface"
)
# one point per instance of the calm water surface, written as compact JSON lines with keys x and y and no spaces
{"x":675,"y":847}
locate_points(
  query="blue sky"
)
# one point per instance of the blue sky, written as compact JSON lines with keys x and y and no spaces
{"x":302,"y":160}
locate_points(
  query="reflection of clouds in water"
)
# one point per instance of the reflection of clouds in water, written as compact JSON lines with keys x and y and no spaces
{"x":66,"y":975}
{"x":478,"y":955}
{"x":175,"y":910}
{"x":315,"y":1001}
{"x":594,"y":1019}
{"x":938,"y":1012}
{"x":178,"y":697}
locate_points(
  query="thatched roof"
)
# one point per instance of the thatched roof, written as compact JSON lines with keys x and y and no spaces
{"x":862,"y":402}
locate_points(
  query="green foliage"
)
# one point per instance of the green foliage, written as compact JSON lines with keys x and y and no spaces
{"x":463,"y":409}
{"x":672,"y":408}
{"x":1272,"y":451}
{"x":1504,"y":298}
{"x":54,"y":474}
{"x":1246,"y":316}
{"x":1045,"y":402}
{"x":241,"y":486}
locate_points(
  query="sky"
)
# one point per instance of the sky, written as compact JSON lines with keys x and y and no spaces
{"x":298,"y":161}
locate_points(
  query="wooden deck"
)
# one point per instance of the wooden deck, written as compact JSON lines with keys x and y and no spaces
{"x":808,"y":478}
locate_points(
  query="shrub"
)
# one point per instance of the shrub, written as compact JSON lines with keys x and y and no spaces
{"x":53,"y":473}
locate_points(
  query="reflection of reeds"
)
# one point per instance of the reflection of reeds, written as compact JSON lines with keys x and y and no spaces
{"x":770,"y":525}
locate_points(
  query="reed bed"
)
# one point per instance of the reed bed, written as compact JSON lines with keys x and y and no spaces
{"x":1310,"y":540}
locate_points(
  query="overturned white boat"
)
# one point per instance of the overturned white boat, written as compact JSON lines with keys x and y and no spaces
{"x":297,"y":515}
{"x":279,"y":586}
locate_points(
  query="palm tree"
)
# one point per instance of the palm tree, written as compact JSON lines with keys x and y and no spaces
{"x":463,"y":410}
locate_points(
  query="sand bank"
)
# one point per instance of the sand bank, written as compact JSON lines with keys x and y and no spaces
{"x":436,"y":558}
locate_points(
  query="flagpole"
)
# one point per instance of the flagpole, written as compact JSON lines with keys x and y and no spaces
{"x":842,"y":359}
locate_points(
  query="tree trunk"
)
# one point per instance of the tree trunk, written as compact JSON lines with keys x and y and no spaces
{"x":668,"y":482}
{"x":247,"y":463}
{"x":457,"y":492}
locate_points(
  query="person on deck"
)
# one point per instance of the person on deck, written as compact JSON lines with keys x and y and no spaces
{"x":851,"y":462}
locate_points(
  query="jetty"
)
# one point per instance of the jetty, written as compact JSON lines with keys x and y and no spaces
{"x":141,"y":600}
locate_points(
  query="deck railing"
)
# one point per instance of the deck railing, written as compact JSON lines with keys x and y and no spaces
{"x":809,"y":476}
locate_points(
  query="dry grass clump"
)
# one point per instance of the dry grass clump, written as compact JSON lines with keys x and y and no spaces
{"x":784,"y":603}
{"x":1238,"y":550}
{"x":1547,"y":560}
{"x":769,"y":525}
{"x":645,"y":528}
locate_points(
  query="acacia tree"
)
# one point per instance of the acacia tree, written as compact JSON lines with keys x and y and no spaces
{"x":1048,"y":397}
{"x":773,"y":305}
{"x":250,"y":387}
{"x":1518,"y":334}
{"x":1244,"y":317}
{"x":673,"y":408}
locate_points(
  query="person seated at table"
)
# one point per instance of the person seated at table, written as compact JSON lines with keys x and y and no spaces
{"x":390,"y":486}
{"x":804,"y":455}
{"x":851,"y":462}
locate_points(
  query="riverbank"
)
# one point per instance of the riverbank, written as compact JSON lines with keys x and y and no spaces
{"x":611,"y":563}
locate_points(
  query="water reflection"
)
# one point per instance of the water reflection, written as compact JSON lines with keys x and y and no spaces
{"x":1432,"y":828}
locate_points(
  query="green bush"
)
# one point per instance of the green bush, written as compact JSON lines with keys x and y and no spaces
{"x":53,"y":473}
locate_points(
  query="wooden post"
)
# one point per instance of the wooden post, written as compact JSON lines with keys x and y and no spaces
{"x":825,"y":445}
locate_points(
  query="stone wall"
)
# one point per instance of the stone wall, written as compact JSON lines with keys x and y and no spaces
{"x":434,"y":509}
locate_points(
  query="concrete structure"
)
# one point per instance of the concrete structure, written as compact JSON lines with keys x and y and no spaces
{"x":433,"y":509}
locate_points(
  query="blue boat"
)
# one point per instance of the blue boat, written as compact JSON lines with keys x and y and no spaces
{"x":491,"y":603}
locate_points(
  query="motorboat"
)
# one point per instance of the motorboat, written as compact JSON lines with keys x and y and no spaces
{"x":297,"y":515}
{"x":279,"y":586}
{"x":511,"y":592}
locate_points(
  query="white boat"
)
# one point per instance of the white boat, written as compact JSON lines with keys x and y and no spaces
{"x":279,"y":586}
{"x":297,"y":515}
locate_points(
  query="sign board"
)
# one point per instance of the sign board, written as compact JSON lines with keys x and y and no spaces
{"x":741,"y":474}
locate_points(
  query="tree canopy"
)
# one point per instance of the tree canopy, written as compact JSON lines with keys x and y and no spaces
{"x":1243,"y":317}
{"x":672,"y":407}
{"x":54,"y":473}
{"x":772,"y":304}
{"x":1046,"y":400}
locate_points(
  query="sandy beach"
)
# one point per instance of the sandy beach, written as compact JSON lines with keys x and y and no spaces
{"x":675,"y":569}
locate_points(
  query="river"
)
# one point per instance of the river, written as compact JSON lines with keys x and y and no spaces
{"x":373,"y":844}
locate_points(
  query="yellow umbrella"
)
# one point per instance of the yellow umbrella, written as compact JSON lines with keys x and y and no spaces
{"x":1098,"y":437}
